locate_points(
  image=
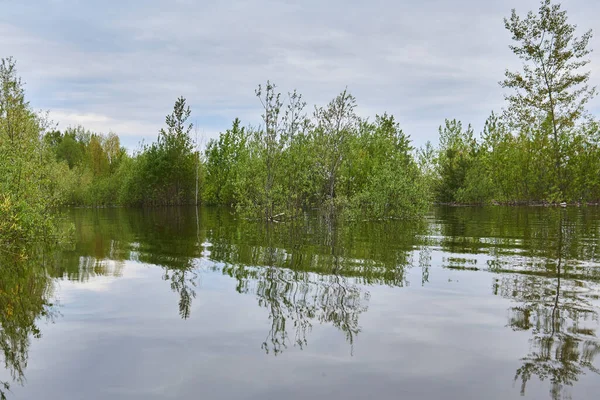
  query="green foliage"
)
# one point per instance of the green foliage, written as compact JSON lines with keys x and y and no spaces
{"x":66,"y":146}
{"x":551,"y":91}
{"x":335,"y":125}
{"x":503,"y":167}
{"x":92,"y":162}
{"x":101,"y":173}
{"x":171,"y":160}
{"x":456,"y":155}
{"x":262,"y":191}
{"x":381,"y":177}
{"x":332,"y":162}
{"x":224,"y":158}
{"x":545,"y":147}
{"x":28,"y":189}
{"x":582,"y":168}
{"x":166,"y":169}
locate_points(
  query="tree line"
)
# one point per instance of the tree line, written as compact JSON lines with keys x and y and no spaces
{"x":544,"y":146}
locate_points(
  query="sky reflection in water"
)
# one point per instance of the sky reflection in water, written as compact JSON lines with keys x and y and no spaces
{"x":176,"y":303}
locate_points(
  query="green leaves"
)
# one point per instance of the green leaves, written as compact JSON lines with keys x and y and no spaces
{"x":551,"y":89}
{"x":164,"y":172}
{"x":333,"y":162}
{"x":225,"y":157}
{"x":456,"y":155}
{"x":541,"y":150}
{"x":27,"y":193}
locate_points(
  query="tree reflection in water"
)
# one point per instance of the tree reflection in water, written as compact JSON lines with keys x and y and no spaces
{"x":311,"y":274}
{"x":24,"y":292}
{"x":319,"y":272}
{"x":558,"y":312}
{"x":545,"y":262}
{"x":561,"y":347}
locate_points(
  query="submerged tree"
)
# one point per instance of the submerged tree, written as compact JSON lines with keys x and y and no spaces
{"x":379,"y":177}
{"x":455,"y":159}
{"x":262,"y":188}
{"x":551,"y":90}
{"x":225,"y":157}
{"x":332,"y":162}
{"x":168,"y":167}
{"x":335,"y":124}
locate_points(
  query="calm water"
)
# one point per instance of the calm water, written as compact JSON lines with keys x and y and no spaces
{"x":493,"y":303}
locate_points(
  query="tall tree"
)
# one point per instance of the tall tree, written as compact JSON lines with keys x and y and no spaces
{"x":112,"y":147}
{"x":270,"y":140}
{"x":336,"y":123}
{"x":455,"y":158}
{"x":172,"y":158}
{"x":26,"y":168}
{"x":551,"y":90}
{"x":99,"y":161}
{"x":267,"y":186}
{"x":223,"y":159}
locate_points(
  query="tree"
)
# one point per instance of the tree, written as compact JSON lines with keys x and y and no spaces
{"x":99,"y":161}
{"x":379,"y":175}
{"x":27,"y":189}
{"x":270,"y":140}
{"x":224,"y":157}
{"x":66,"y":146}
{"x":169,"y":164}
{"x":112,"y":148}
{"x":263,"y":189}
{"x":455,"y":158}
{"x":334,"y":125}
{"x":551,"y":91}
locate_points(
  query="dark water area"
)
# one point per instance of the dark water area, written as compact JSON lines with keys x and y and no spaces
{"x":185,"y":303}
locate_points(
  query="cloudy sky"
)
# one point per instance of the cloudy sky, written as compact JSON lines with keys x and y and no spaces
{"x":119,"y":65}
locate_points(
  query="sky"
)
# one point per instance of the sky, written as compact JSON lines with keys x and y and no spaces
{"x":120,"y":66}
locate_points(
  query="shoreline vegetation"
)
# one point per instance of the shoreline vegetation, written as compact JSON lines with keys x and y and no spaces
{"x":542,"y":149}
{"x":523,"y":204}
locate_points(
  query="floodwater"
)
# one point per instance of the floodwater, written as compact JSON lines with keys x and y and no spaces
{"x":186,"y":303}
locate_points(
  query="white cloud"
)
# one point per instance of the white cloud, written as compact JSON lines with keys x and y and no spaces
{"x":121,"y":68}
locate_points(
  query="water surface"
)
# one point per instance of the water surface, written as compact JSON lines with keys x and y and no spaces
{"x":180,"y":303}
